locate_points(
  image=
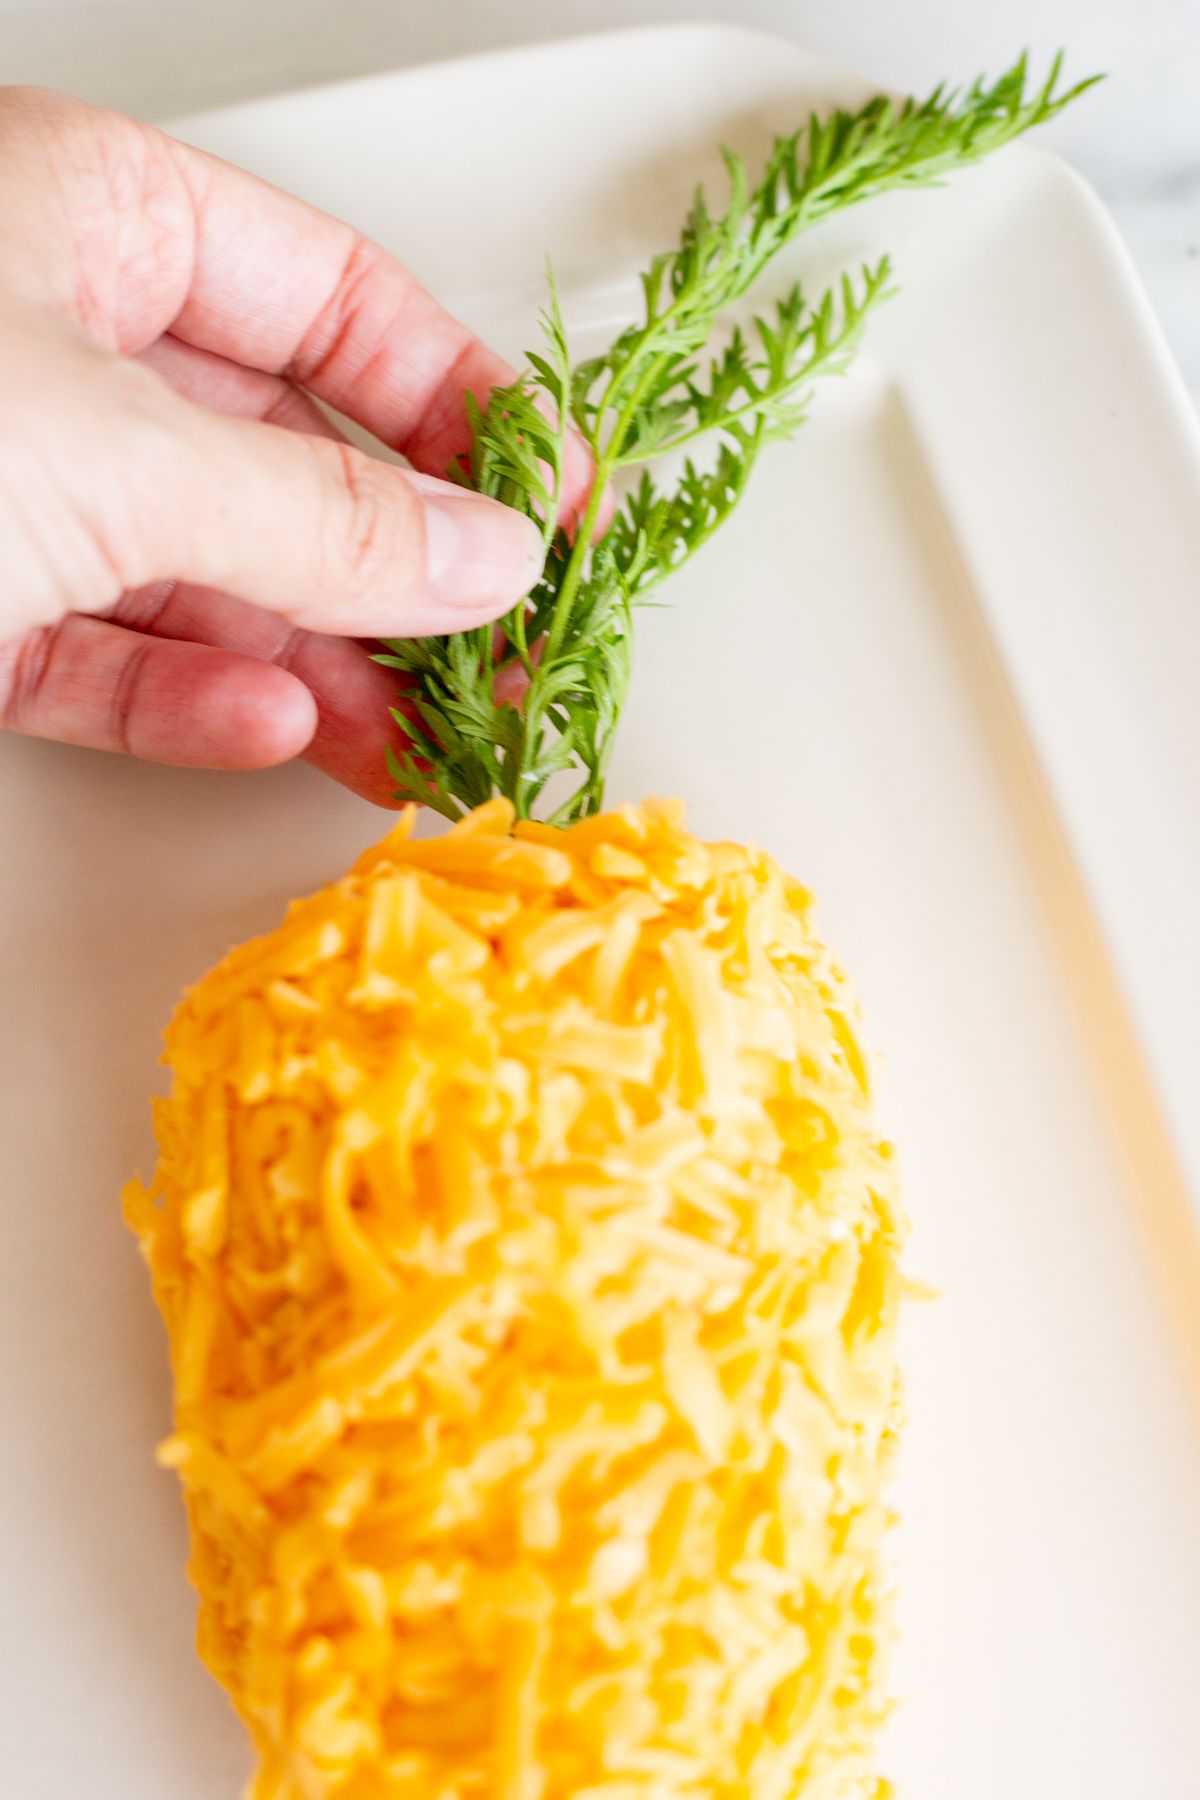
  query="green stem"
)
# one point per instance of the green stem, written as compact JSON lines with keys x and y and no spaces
{"x":606,"y":462}
{"x":534,"y":708}
{"x":575,"y":564}
{"x":763,"y":397}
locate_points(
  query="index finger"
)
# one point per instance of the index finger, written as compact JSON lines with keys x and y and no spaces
{"x":278,"y":285}
{"x":138,"y":235}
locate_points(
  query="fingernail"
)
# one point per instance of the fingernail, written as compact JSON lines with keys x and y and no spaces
{"x":480,"y":556}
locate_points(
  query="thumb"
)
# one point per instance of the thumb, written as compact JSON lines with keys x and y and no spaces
{"x":307,"y":526}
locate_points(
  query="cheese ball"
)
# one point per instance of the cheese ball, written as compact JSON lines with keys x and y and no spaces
{"x":529,"y":1259}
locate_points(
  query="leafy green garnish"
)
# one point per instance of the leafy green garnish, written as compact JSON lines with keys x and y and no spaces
{"x":653,"y":392}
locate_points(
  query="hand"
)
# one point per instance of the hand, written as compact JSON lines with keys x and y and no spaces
{"x":189,"y":549}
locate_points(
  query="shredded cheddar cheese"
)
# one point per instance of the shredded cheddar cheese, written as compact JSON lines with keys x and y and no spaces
{"x":529,"y":1260}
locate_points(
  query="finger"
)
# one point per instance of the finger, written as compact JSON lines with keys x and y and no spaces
{"x":92,"y":683}
{"x":282,"y":287}
{"x":136,"y":235}
{"x":355,"y":700}
{"x":333,"y":539}
{"x":303,"y":525}
{"x":286,"y":289}
{"x":228,"y":387}
{"x":353,"y":695}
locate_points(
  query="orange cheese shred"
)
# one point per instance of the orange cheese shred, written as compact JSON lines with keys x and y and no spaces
{"x":529,"y":1258}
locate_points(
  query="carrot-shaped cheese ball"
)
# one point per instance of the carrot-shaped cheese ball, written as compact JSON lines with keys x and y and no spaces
{"x":529,"y":1260}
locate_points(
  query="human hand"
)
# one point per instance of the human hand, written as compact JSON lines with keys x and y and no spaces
{"x":189,"y":549}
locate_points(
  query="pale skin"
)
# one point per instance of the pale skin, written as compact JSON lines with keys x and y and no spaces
{"x":190,"y":555}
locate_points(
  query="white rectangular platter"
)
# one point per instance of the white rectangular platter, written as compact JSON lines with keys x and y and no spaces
{"x":945,"y":665}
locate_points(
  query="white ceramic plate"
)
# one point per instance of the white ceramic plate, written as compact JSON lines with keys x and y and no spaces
{"x":945,"y":664}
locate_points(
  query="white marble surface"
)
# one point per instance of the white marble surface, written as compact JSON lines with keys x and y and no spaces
{"x":1137,"y":139}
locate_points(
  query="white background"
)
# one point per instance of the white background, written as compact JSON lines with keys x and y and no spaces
{"x":1137,"y":140}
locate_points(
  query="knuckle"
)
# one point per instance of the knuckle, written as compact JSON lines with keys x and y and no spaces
{"x":124,"y":694}
{"x":344,"y":328}
{"x":373,"y":531}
